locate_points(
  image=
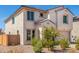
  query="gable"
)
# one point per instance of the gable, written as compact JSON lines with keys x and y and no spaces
{"x":47,"y":23}
{"x":24,"y":8}
{"x":66,"y":11}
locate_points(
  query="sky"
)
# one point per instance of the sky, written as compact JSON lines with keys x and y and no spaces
{"x":7,"y":10}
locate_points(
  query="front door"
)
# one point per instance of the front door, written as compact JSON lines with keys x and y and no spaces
{"x":30,"y":35}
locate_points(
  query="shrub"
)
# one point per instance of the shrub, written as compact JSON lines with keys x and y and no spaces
{"x":38,"y":46}
{"x":34,"y":41}
{"x":50,"y":33}
{"x":45,"y":43}
{"x":48,"y":43}
{"x":64,"y":43}
{"x":77,"y":41}
{"x":56,"y":42}
{"x":77,"y":44}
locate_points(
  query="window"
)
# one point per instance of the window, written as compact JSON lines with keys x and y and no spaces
{"x":41,"y":14}
{"x":28,"y":34}
{"x":65,"y":19}
{"x":33,"y":33}
{"x":13,"y":20}
{"x":17,"y":32}
{"x":30,"y":15}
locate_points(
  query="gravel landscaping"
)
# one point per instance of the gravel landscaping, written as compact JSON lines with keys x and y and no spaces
{"x":29,"y":49}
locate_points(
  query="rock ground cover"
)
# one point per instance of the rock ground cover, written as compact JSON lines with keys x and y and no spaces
{"x":29,"y":49}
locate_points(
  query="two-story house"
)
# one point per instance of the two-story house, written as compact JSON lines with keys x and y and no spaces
{"x":29,"y":22}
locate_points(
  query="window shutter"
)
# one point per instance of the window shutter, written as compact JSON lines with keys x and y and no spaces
{"x":65,"y":19}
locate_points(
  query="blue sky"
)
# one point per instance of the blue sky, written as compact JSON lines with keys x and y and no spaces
{"x":7,"y":10}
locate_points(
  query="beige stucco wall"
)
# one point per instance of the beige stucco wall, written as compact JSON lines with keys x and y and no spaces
{"x":30,"y":24}
{"x":22,"y":24}
{"x":18,"y":25}
{"x":57,"y":17}
{"x":65,"y":29}
{"x":61,"y":25}
{"x":52,"y":15}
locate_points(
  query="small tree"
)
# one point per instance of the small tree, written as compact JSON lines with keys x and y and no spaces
{"x":77,"y":44}
{"x":64,"y":43}
{"x":47,"y":33}
{"x":50,"y":33}
{"x":49,"y":36}
{"x":55,"y":33}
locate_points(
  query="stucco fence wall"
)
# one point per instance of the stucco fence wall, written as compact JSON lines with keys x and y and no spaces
{"x":7,"y":40}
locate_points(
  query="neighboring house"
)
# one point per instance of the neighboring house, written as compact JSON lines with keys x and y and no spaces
{"x":29,"y":22}
{"x":75,"y":31}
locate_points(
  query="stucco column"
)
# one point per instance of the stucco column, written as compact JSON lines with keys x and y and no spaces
{"x":40,"y":32}
{"x":21,"y":39}
{"x":48,"y":16}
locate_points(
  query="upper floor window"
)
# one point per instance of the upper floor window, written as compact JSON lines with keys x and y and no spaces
{"x":13,"y":20}
{"x":65,"y":19}
{"x":30,"y":15}
{"x":41,"y":14}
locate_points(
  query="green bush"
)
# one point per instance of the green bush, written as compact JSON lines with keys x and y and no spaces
{"x":48,"y":43}
{"x":45,"y":43}
{"x":34,"y":41}
{"x":77,"y":41}
{"x":38,"y":47}
{"x":64,"y":43}
{"x":77,"y":44}
{"x":56,"y":42}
